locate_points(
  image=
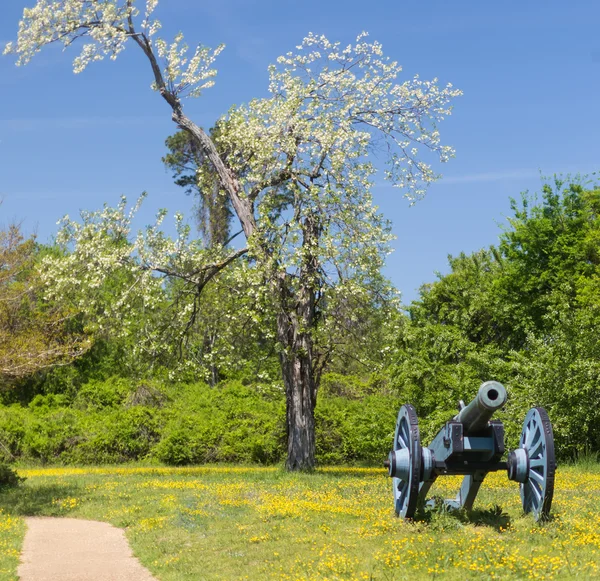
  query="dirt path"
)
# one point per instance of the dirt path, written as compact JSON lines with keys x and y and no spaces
{"x":67,"y":549}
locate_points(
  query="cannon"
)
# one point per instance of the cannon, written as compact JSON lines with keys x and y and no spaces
{"x":472,"y":444}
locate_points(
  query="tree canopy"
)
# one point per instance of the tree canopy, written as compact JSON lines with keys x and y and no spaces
{"x":194,"y":172}
{"x":296,"y":168}
{"x":35,"y":334}
{"x":525,"y":313}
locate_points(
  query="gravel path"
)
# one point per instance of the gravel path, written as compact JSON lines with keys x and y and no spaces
{"x":67,"y":549}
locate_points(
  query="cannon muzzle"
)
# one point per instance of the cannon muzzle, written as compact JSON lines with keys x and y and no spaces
{"x":490,"y":398}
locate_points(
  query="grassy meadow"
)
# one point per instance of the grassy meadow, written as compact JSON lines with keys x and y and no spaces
{"x":226,"y":522}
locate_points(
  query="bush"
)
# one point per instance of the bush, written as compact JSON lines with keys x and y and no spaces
{"x":351,"y":386}
{"x":190,"y":444}
{"x":49,"y":435}
{"x":350,"y":431}
{"x":103,"y":394}
{"x":9,"y":478}
{"x":12,"y":431}
{"x":230,"y":423}
{"x":118,"y":436}
{"x":116,"y":421}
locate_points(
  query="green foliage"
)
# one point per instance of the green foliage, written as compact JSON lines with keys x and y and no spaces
{"x":347,"y":386}
{"x":120,"y":436}
{"x":193,"y":171}
{"x":525,"y":313}
{"x":551,"y":253}
{"x":232,"y":423}
{"x":102,"y":394}
{"x":355,"y":431}
{"x":561,"y":371}
{"x":119,"y":420}
{"x":9,"y":478}
{"x":35,"y":333}
{"x":104,"y":360}
{"x":50,"y":435}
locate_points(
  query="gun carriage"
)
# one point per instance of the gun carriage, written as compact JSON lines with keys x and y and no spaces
{"x":472,"y":444}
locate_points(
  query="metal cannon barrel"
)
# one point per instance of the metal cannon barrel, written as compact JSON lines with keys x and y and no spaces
{"x":489,"y":399}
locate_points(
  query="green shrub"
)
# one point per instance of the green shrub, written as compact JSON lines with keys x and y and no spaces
{"x":46,"y":402}
{"x":116,"y":421}
{"x":349,"y":431}
{"x":176,"y":448}
{"x":230,"y":423}
{"x":347,"y":386}
{"x":117,"y":436}
{"x":103,"y":394}
{"x":189,"y":444}
{"x":50,"y":435}
{"x":9,"y":478}
{"x":12,"y":432}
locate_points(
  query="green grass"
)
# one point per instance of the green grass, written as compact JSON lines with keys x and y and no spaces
{"x":262,"y":523}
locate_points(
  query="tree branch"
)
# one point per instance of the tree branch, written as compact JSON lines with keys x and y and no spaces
{"x":243,"y":207}
{"x":202,"y":276}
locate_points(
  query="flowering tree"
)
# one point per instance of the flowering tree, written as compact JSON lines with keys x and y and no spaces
{"x":295,"y":166}
{"x":144,"y":288}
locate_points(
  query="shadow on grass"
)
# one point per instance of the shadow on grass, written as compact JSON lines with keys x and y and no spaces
{"x":441,"y":515}
{"x":494,"y":517}
{"x":36,"y":500}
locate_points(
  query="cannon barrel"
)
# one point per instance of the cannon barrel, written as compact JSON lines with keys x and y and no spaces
{"x":490,"y":398}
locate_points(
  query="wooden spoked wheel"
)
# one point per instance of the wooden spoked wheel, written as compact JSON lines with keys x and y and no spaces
{"x":537,"y":440}
{"x":406,"y":462}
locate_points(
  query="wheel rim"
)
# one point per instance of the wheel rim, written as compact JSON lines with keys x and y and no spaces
{"x":406,"y":436}
{"x":537,"y":440}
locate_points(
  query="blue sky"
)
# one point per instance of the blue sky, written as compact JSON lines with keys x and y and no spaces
{"x":530,"y":72}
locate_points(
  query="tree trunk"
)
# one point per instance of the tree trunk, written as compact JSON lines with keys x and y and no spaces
{"x":300,"y":390}
{"x":295,"y":327}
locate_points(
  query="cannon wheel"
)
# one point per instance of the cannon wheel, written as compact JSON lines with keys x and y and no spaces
{"x":537,"y":440}
{"x":406,"y":492}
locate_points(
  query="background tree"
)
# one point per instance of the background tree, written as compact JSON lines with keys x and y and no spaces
{"x":297,"y":173}
{"x":525,"y":313}
{"x":193,"y":171}
{"x":356,"y":340}
{"x":144,"y":289}
{"x":551,"y":253}
{"x":34,"y":334}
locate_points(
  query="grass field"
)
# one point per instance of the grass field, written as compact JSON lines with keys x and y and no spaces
{"x":251,"y":523}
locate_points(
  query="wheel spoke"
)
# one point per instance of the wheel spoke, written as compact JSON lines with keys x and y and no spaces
{"x":533,"y":436}
{"x":525,"y":438}
{"x":527,"y":499}
{"x":403,"y":434}
{"x":536,"y":493}
{"x":400,"y":488}
{"x":402,"y":442}
{"x":536,"y":451}
{"x":536,"y":462}
{"x":537,"y":477}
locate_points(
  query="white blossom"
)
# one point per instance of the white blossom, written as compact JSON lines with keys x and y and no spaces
{"x":300,"y":160}
{"x":106,"y":27}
